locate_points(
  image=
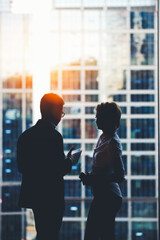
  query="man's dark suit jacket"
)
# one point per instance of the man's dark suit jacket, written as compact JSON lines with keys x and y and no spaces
{"x":42,"y":162}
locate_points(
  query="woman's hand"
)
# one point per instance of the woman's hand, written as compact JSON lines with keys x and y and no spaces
{"x":84,"y":178}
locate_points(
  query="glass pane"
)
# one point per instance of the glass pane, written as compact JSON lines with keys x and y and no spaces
{"x":88,"y":162}
{"x":71,"y":79}
{"x":29,"y":81}
{"x":142,"y":20}
{"x":91,"y":79}
{"x":122,"y":131}
{"x":91,"y":48}
{"x":71,"y":98}
{"x":142,"y":97}
{"x":116,"y":98}
{"x":144,"y":230}
{"x":14,"y":81}
{"x":89,"y":110}
{"x":67,"y":3}
{"x":71,"y":48}
{"x":143,"y":188}
{"x":11,"y":227}
{"x":91,"y":20}
{"x":72,"y":110}
{"x":142,"y":110}
{"x":121,"y":230}
{"x":142,"y":49}
{"x":72,"y":188}
{"x":12,"y":128}
{"x":114,"y":19}
{"x":70,"y":230}
{"x":114,"y":54}
{"x":72,"y":208}
{"x":142,"y":146}
{"x":90,"y":128}
{"x":54,"y":80}
{"x":114,"y":79}
{"x":142,"y":79}
{"x":10,"y":195}
{"x":143,"y":165}
{"x":91,"y":98}
{"x":142,"y":128}
{"x":144,"y":209}
{"x":89,"y":146}
{"x":71,"y":20}
{"x":29,"y":110}
{"x":71,"y":128}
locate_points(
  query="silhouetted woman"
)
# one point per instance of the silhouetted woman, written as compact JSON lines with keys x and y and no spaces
{"x":107,"y":172}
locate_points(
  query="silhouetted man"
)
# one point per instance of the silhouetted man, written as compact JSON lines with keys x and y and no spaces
{"x":42,"y":162}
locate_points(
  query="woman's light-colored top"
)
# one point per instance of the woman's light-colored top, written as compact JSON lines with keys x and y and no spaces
{"x":108,"y":167}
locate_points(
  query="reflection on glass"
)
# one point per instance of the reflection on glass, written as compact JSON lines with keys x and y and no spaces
{"x":72,"y":188}
{"x":72,"y":209}
{"x":143,"y":165}
{"x":114,"y":19}
{"x":90,"y":128}
{"x":142,"y":49}
{"x":72,"y":98}
{"x":114,"y":54}
{"x":121,"y":230}
{"x":91,"y":48}
{"x":142,"y":110}
{"x":142,"y":97}
{"x":11,"y":227}
{"x":144,"y":209}
{"x":54,"y":80}
{"x":93,"y":3}
{"x":67,"y":146}
{"x":142,"y":79}
{"x":91,"y":20}
{"x":71,"y":48}
{"x":54,"y":49}
{"x":142,"y":128}
{"x":123,"y":212}
{"x":71,"y":79}
{"x":123,"y":110}
{"x":142,"y":146}
{"x":91,"y":79}
{"x":142,"y":20}
{"x":72,"y":110}
{"x":10,"y":196}
{"x":89,"y":110}
{"x":88,"y":162}
{"x":67,"y":3}
{"x":114,"y":79}
{"x":71,"y":128}
{"x":12,"y":128}
{"x":70,"y":230}
{"x":143,"y":188}
{"x":116,"y":98}
{"x":144,"y":230}
{"x":14,"y":81}
{"x":89,"y":146}
{"x":28,"y":110}
{"x":71,"y":20}
{"x":122,"y":131}
{"x":91,"y":97}
{"x":124,"y":146}
{"x":28,"y":81}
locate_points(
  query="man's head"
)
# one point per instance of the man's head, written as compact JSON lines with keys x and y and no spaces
{"x":51,"y":106}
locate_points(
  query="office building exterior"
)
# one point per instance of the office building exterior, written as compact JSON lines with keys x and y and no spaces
{"x":99,"y":51}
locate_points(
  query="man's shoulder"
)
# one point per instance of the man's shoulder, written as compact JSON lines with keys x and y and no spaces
{"x":26,"y":133}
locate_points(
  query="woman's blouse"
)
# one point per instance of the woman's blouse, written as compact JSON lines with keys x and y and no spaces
{"x":107,"y":169}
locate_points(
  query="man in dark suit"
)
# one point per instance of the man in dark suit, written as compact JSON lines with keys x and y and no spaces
{"x":42,"y":163}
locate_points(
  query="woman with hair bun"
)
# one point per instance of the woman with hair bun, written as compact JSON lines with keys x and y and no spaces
{"x":107,"y":172}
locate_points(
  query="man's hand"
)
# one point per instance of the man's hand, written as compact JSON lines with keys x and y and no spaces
{"x":70,"y":151}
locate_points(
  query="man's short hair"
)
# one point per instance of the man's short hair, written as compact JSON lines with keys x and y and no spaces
{"x":49,"y":102}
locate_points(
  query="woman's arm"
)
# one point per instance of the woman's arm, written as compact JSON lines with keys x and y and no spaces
{"x":118,"y":173}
